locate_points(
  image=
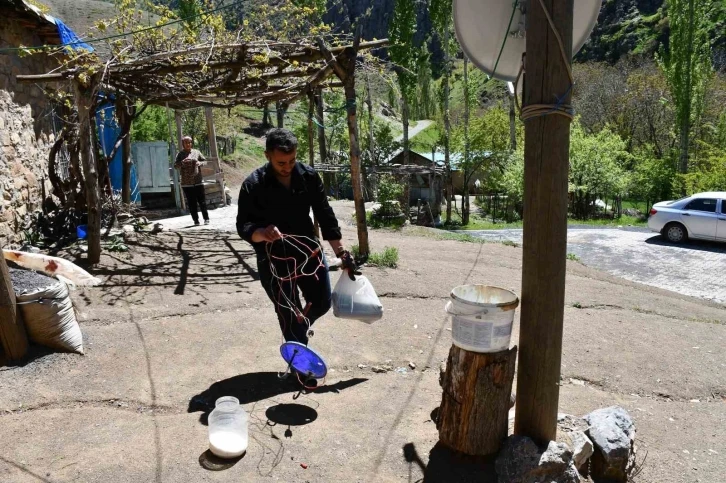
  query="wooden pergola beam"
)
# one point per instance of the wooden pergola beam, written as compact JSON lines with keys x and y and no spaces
{"x":128,"y":76}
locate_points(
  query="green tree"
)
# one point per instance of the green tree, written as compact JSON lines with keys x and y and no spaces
{"x":151,"y":125}
{"x":488,"y":149}
{"x":441,"y":17}
{"x":687,"y":65}
{"x":651,"y":179}
{"x":596,"y":168}
{"x":424,"y":105}
{"x":404,"y":56}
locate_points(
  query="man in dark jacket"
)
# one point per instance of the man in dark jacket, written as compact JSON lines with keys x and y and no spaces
{"x":275,"y":202}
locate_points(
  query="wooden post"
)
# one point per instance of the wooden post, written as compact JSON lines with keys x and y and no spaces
{"x":546,"y":161}
{"x":311,"y":135}
{"x":177,"y":178}
{"x":124,"y":114}
{"x":12,"y":331}
{"x":344,"y":68}
{"x":84,"y":102}
{"x":311,"y":145}
{"x":281,"y":109}
{"x":355,"y":171}
{"x":319,"y":107}
{"x":214,"y":151}
{"x":473,"y":416}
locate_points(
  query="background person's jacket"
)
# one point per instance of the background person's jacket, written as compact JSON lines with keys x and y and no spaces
{"x":190,"y":165}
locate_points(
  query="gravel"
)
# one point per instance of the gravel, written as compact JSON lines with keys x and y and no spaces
{"x":27,"y":280}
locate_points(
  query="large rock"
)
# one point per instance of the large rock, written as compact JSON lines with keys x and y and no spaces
{"x":522,"y":461}
{"x":613,"y":433}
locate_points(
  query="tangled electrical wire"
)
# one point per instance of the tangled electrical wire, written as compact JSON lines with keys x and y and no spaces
{"x":304,"y":260}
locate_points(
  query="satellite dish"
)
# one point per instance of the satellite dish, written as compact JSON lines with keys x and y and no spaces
{"x":483,"y":25}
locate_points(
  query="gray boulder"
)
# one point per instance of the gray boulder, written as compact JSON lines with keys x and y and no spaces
{"x":522,"y":461}
{"x":612,"y":431}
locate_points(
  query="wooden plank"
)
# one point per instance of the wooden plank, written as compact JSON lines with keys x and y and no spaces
{"x":546,"y":162}
{"x":12,"y":330}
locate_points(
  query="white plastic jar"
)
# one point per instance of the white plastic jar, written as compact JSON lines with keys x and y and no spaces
{"x":228,"y":432}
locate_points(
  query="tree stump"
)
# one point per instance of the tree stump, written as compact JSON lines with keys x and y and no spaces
{"x":473,"y":417}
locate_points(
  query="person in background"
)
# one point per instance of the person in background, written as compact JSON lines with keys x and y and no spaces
{"x":189,"y":162}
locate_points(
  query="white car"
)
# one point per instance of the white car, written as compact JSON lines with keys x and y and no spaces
{"x":701,"y":216}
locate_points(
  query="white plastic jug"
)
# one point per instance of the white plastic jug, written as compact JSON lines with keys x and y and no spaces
{"x":228,"y":433}
{"x":482,"y":317}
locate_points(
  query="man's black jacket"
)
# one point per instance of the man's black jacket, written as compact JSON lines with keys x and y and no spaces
{"x":264,"y":201}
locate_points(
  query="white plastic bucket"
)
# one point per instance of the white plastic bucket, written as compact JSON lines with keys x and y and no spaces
{"x":482,"y":317}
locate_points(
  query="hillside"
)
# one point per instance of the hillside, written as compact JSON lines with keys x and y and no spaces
{"x":625,"y":27}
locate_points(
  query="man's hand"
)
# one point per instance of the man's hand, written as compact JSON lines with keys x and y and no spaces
{"x":269,"y":234}
{"x":347,"y":263}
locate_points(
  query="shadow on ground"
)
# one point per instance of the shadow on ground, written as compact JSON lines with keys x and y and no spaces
{"x":446,"y":466}
{"x":257,"y":386}
{"x":175,"y":262}
{"x":698,"y":245}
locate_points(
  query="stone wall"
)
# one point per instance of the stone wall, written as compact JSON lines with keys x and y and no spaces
{"x":26,"y":133}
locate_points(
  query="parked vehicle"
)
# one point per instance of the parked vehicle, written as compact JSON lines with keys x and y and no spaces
{"x":701,"y":216}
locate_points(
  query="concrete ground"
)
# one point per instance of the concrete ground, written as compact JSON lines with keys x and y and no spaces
{"x":693,"y":268}
{"x":181,"y":320}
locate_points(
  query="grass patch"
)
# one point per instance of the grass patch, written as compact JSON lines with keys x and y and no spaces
{"x":426,"y":139}
{"x":376,"y":222}
{"x":573,"y":257}
{"x":509,"y":243}
{"x":622,"y":221}
{"x":388,"y":258}
{"x":442,"y":235}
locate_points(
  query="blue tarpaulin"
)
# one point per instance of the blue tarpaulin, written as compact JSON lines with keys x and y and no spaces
{"x":68,"y":37}
{"x":108,"y":132}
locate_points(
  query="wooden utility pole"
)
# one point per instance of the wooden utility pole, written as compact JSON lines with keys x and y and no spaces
{"x":546,"y":163}
{"x":344,"y":68}
{"x":12,"y":331}
{"x":84,"y":102}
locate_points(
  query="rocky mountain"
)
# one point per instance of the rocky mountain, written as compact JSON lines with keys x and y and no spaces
{"x":624,"y":28}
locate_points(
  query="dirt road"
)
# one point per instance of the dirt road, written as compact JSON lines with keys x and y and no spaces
{"x":181,"y":320}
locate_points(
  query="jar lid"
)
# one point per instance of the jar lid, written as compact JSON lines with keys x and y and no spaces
{"x":226,"y":399}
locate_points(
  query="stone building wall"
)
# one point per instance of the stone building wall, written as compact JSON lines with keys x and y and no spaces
{"x":26,"y":133}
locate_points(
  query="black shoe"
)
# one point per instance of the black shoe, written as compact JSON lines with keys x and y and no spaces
{"x":196,"y":223}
